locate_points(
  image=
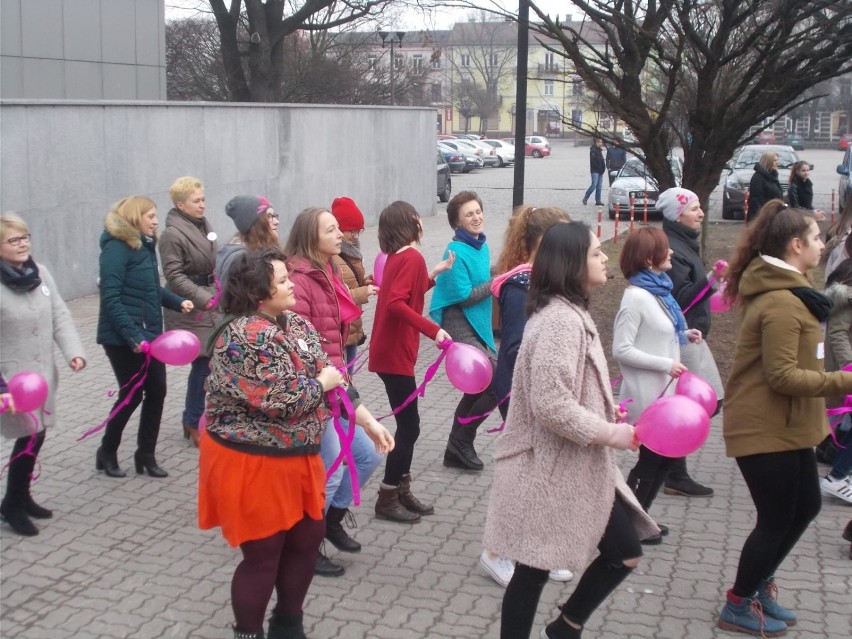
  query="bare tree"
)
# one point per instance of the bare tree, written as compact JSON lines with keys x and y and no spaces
{"x":700,"y":72}
{"x":194,"y":69}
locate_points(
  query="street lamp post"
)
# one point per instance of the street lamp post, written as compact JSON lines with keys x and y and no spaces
{"x":395,"y":39}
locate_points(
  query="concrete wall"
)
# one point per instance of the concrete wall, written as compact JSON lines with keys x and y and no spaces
{"x":63,"y":164}
{"x":82,"y":49}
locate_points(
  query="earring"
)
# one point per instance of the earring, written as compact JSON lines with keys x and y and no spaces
{"x":260,"y":305}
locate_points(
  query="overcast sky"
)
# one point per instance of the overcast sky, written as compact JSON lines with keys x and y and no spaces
{"x":442,"y":19}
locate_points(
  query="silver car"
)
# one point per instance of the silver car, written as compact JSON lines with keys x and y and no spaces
{"x":634,"y":181}
{"x":742,"y":168}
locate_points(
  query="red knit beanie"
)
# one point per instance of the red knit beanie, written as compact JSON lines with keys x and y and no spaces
{"x":348,"y":215}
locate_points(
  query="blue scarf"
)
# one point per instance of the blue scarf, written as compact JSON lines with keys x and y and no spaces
{"x":660,"y":284}
{"x":476,"y":242}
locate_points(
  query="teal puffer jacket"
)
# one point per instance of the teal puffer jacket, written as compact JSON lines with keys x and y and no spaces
{"x":131,"y":295}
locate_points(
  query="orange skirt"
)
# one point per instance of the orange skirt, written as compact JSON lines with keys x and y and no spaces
{"x":255,"y":496}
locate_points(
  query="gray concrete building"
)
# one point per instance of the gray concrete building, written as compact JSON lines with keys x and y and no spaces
{"x":82,"y":49}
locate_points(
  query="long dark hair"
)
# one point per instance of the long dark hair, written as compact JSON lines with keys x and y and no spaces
{"x":561,"y":266}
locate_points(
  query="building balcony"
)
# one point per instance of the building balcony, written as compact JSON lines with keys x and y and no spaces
{"x":549,"y":68}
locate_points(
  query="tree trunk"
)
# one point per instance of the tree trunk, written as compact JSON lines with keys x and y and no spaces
{"x":235,"y":78}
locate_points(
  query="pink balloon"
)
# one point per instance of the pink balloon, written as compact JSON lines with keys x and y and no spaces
{"x":673,"y":426}
{"x":697,"y":389}
{"x":177,"y":347}
{"x":468,"y":368}
{"x":29,"y":390}
{"x":379,"y":268}
{"x":718,"y":303}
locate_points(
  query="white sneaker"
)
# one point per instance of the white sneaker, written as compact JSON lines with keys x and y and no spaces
{"x":500,"y":568}
{"x":561,"y":575}
{"x":839,"y":488}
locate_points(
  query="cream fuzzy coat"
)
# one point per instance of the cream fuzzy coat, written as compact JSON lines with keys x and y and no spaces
{"x":553,"y":488}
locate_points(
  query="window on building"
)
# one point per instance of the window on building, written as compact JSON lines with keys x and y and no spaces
{"x":399,"y":61}
{"x":436,"y":59}
{"x":436,"y":92}
{"x":417,"y":62}
{"x":548,"y":87}
{"x":372,"y":60}
{"x":465,"y":59}
{"x":549,"y":61}
{"x":492,"y":60}
{"x":576,"y":86}
{"x":577,"y":117}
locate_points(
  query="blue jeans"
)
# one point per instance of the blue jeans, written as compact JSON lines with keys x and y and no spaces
{"x":194,"y":403}
{"x":338,"y":488}
{"x":843,"y":461}
{"x":350,"y":353}
{"x":596,"y":185}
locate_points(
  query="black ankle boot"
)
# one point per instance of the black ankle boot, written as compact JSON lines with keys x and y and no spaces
{"x":108,"y":462}
{"x":17,"y":519}
{"x":239,"y":634}
{"x":146,"y":462}
{"x":325,"y":567}
{"x":286,"y":627}
{"x":462,"y":454}
{"x":34,"y":510}
{"x":335,"y":532}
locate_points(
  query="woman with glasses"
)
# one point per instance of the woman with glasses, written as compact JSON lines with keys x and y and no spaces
{"x":257,"y":230}
{"x":188,"y":254}
{"x":32,"y":318}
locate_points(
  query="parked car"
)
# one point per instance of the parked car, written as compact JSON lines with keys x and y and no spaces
{"x":505,"y":151}
{"x":844,"y":189}
{"x":541,"y":147}
{"x":634,"y":180}
{"x":453,"y":158}
{"x":794,"y":140}
{"x":444,"y":136}
{"x":469,"y":136}
{"x":489,"y":153}
{"x":765,"y":137}
{"x":471,"y":160}
{"x":742,"y":168}
{"x":445,"y":184}
{"x":843,"y":143}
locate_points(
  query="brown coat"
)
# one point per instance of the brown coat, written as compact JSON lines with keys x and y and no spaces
{"x":553,"y":488}
{"x":186,"y":251}
{"x":353,"y":275}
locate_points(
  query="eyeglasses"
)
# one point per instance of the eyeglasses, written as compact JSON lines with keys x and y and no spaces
{"x":16,"y":241}
{"x":271,"y":216}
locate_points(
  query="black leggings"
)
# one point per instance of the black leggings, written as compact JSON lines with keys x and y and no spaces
{"x":648,"y":476}
{"x":399,"y":388}
{"x":618,"y":544}
{"x":470,"y":405}
{"x":785,"y":490}
{"x":19,"y":474}
{"x":285,"y":561}
{"x":152,"y":395}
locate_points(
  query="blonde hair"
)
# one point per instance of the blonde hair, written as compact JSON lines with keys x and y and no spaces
{"x":11,"y":221}
{"x":767,"y":159}
{"x":132,"y":208}
{"x":183,"y":187}
{"x":526,"y":228}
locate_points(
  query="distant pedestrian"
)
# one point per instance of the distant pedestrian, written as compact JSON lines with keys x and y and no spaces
{"x":597,"y":168}
{"x":764,"y":184}
{"x":774,"y":408}
{"x":800,"y":192}
{"x":461,"y":304}
{"x":33,"y":318}
{"x":616,"y":157}
{"x":837,"y":246}
{"x":397,"y":327}
{"x":557,"y":493}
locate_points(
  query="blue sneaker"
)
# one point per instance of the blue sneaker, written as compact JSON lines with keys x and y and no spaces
{"x":767,"y":594}
{"x":748,"y":617}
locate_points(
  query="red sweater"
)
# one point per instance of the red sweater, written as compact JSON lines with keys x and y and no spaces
{"x":399,"y":314}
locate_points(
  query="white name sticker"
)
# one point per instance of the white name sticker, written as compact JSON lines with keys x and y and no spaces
{"x":302,"y":344}
{"x":821,"y":350}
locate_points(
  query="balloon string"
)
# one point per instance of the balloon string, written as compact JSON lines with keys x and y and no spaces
{"x":832,"y":427}
{"x":350,"y":366}
{"x":142,"y":374}
{"x":214,"y":301}
{"x":615,"y":380}
{"x":420,"y":391}
{"x":473,"y":418}
{"x":717,"y":270}
{"x":666,"y":388}
{"x":28,"y":450}
{"x":336,"y":396}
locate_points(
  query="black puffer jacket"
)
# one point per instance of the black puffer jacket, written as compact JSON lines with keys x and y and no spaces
{"x":596,"y":160}
{"x":688,"y":274}
{"x":764,"y":186}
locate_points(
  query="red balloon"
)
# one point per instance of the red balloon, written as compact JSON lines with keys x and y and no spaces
{"x":379,"y":268}
{"x":673,"y":426}
{"x":29,"y":390}
{"x":177,"y":347}
{"x":468,"y":368}
{"x":697,"y":389}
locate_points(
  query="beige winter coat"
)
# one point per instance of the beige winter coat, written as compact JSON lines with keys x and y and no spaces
{"x":353,"y":276}
{"x":553,"y":489}
{"x":185,"y":250}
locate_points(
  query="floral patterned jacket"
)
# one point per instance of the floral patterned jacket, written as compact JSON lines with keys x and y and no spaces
{"x":262,"y":393}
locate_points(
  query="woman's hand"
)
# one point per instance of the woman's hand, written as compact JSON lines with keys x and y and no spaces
{"x":620,"y":414}
{"x":693,"y":336}
{"x":819,"y":214}
{"x":330,"y":378}
{"x":380,"y":435}
{"x":442,"y":337}
{"x":677,"y":369}
{"x":186,"y":306}
{"x":7,"y":402}
{"x":619,"y":436}
{"x":372,"y":289}
{"x":442,"y":266}
{"x":78,"y":364}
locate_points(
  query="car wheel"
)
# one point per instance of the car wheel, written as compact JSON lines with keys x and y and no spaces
{"x":445,"y":195}
{"x":500,"y":162}
{"x":536,"y":153}
{"x":611,"y":214}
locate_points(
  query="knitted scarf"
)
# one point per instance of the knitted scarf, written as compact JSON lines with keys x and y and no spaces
{"x":660,"y":284}
{"x":22,"y":279}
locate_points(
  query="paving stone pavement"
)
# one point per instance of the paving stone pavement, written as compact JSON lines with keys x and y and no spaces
{"x":124,"y":557}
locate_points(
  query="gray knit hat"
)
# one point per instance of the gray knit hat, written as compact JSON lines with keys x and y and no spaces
{"x":672,"y":202}
{"x":245,"y":210}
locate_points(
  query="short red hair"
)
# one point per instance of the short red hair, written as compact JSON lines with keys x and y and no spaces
{"x":645,"y":247}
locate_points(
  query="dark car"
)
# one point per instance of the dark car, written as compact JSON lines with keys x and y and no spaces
{"x":794,"y":141}
{"x":742,"y":168}
{"x":445,"y":184}
{"x":844,"y":190}
{"x":471,"y":161}
{"x":453,"y":158}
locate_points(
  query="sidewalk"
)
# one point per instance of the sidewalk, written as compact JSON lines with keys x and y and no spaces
{"x":124,"y":557}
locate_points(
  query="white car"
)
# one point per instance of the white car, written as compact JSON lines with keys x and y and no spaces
{"x":489,"y":153}
{"x":505,"y":151}
{"x":635,"y":181}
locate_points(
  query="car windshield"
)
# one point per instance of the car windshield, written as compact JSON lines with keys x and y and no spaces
{"x":749,"y":157}
{"x":635,"y":168}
